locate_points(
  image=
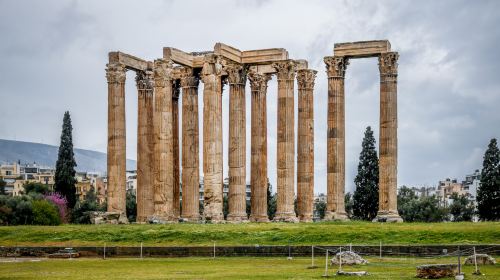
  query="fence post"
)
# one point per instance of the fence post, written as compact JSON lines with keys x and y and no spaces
{"x":312,"y":257}
{"x":214,"y":249}
{"x":380,"y":250}
{"x":141,"y":250}
{"x":326,"y":264}
{"x":104,"y":254}
{"x":340,"y":259}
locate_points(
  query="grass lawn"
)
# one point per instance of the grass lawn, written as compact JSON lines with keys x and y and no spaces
{"x":325,"y":233}
{"x":221,"y":268}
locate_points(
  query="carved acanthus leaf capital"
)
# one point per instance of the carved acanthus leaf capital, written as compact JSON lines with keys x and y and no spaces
{"x":336,"y":66}
{"x":189,"y":78}
{"x":388,"y":63}
{"x":144,"y":80}
{"x":305,"y":78}
{"x":285,"y":69}
{"x":115,"y":73}
{"x":258,"y":81}
{"x":236,"y":73}
{"x":212,"y":66}
{"x":163,"y":71}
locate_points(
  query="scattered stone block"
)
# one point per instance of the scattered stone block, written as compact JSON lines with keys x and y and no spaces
{"x":436,"y":271}
{"x":482,"y":259}
{"x":348,"y":258}
{"x":114,"y":218}
{"x":352,"y":273}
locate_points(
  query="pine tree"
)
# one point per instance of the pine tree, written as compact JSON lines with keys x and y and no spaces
{"x":488,"y":194}
{"x":366,"y":194}
{"x":65,"y":166}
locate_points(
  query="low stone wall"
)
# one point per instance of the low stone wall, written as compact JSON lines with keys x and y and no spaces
{"x":233,"y":251}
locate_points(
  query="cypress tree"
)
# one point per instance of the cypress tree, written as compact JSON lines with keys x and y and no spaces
{"x":65,"y":166}
{"x":366,"y":194}
{"x":488,"y":194}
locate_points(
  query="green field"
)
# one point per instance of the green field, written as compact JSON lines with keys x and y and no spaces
{"x":326,"y":233}
{"x":221,"y":268}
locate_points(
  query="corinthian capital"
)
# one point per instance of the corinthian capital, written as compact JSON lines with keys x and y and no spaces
{"x":162,"y":72}
{"x":115,"y":73}
{"x":211,"y":67}
{"x":189,"y":78}
{"x":336,"y":66}
{"x":144,"y":80}
{"x":305,"y":78}
{"x":286,"y":69}
{"x":258,"y":81}
{"x":388,"y":63}
{"x":236,"y":73}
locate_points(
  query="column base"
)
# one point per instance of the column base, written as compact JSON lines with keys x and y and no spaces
{"x":237,"y":218}
{"x":214,"y":219}
{"x":190,"y":219}
{"x":306,"y":218}
{"x":286,"y":217}
{"x":335,"y":216}
{"x":259,"y":219}
{"x":388,"y":217}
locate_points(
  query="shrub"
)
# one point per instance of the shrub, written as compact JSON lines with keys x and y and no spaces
{"x":60,"y":202}
{"x":35,"y":187}
{"x":45,"y":213}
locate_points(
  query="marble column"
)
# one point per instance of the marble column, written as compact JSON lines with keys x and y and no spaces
{"x":212,"y":139}
{"x":175,"y":148}
{"x":258,"y":168}
{"x":305,"y":145}
{"x":190,"y":146}
{"x":285,"y":211}
{"x":163,"y":145}
{"x":145,"y":146}
{"x":237,"y":143}
{"x":335,"y":208}
{"x":388,"y":209}
{"x":116,"y":158}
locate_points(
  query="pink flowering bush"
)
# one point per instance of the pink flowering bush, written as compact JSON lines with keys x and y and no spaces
{"x":60,"y":202}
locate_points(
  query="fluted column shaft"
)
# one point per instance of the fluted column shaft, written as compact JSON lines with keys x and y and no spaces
{"x":145,"y":146}
{"x":286,"y":142}
{"x":237,"y":144}
{"x":116,"y":157}
{"x":388,"y":210}
{"x":190,"y":146}
{"x":335,"y":209}
{"x":305,"y":145}
{"x":258,"y":169}
{"x":175,"y":148}
{"x":163,"y":145}
{"x":212,"y":139}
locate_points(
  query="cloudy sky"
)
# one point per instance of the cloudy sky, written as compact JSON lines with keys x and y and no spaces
{"x":53,"y":56}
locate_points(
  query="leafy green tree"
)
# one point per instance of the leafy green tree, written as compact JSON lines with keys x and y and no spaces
{"x":461,"y":208}
{"x":2,"y":186}
{"x":424,"y":209}
{"x":349,"y":204}
{"x":320,"y":207}
{"x":366,"y":194}
{"x":35,"y":187}
{"x":271,"y":201}
{"x":65,"y":166}
{"x":16,"y":210}
{"x":45,"y":213}
{"x":131,"y":205}
{"x":488,"y":194}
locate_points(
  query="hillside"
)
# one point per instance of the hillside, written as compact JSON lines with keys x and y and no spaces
{"x":46,"y":155}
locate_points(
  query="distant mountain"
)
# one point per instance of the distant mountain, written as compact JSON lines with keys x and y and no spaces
{"x":46,"y":155}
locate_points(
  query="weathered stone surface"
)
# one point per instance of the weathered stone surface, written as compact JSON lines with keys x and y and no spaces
{"x":305,"y":145}
{"x":258,"y":170}
{"x":481,"y":259}
{"x":108,"y":218}
{"x":237,"y":143}
{"x":388,"y":143}
{"x":190,"y":146}
{"x":175,"y":148}
{"x":285,"y":166}
{"x":145,"y":146}
{"x":348,"y":258}
{"x":352,"y":273}
{"x":115,"y":73}
{"x":212,"y":139}
{"x":436,"y":271}
{"x":335,"y":208}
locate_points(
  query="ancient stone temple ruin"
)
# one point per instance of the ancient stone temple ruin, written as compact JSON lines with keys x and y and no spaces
{"x":160,"y":159}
